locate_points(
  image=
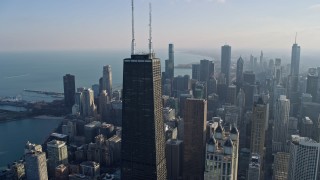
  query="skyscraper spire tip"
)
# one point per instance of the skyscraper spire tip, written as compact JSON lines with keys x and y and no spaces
{"x":150,"y":29}
{"x":133,"y":41}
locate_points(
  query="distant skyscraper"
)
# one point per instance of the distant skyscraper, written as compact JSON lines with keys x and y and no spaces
{"x":69,"y":90}
{"x":212,"y":85}
{"x":255,"y":65}
{"x":258,"y":127}
{"x":251,"y":63}
{"x":36,"y":165}
{"x":295,"y":59}
{"x":206,"y":70}
{"x":239,"y":75}
{"x":261,"y":61}
{"x":240,"y":103}
{"x":312,"y":86}
{"x":181,"y":85}
{"x":169,"y":63}
{"x":281,"y":123}
{"x":174,"y":159}
{"x":232,"y":94}
{"x":304,"y":158}
{"x":196,"y":71}
{"x":87,"y":103}
{"x":277,"y":74}
{"x":293,"y":79}
{"x":107,"y":80}
{"x":143,"y":138}
{"x":57,"y":154}
{"x":249,"y":87}
{"x":226,"y":61}
{"x":249,"y":77}
{"x":104,"y":106}
{"x":195,"y":117}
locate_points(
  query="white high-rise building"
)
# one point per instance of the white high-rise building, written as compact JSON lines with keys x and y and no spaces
{"x":87,"y":103}
{"x":107,"y":80}
{"x":36,"y":165}
{"x":57,"y":154}
{"x":35,"y":162}
{"x":222,"y":154}
{"x":104,"y":105}
{"x":304,"y":158}
{"x":280,"y":125}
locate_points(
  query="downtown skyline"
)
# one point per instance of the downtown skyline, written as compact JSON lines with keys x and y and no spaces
{"x":80,"y":25}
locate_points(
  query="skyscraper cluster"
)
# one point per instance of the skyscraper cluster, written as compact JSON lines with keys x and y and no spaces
{"x":249,"y":119}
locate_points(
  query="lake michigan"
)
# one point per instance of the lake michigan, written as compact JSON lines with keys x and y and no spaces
{"x":44,"y":71}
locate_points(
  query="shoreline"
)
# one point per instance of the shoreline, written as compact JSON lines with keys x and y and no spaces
{"x":44,"y":139}
{"x":48,"y":117}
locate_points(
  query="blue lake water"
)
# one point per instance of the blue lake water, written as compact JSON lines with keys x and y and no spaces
{"x":44,"y":70}
{"x":15,"y":134}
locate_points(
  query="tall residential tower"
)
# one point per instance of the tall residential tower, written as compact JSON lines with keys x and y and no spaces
{"x":169,"y":63}
{"x":226,"y":61}
{"x":293,"y":80}
{"x":69,"y":90}
{"x":107,"y":80}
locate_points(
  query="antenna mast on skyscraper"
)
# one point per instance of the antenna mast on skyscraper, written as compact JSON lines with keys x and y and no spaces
{"x":295,"y":39}
{"x":150,"y":29}
{"x":133,"y":42}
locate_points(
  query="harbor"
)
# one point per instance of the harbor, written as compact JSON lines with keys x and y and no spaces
{"x":31,"y":103}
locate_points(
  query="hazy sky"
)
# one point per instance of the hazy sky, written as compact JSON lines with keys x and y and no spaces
{"x":101,"y":24}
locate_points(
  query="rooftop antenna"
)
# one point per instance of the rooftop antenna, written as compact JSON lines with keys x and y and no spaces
{"x":295,"y":39}
{"x":133,"y":42}
{"x":150,"y":29}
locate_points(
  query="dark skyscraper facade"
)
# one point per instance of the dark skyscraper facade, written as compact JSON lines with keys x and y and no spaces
{"x":143,"y":139}
{"x":195,"y":115}
{"x":174,"y":158}
{"x":293,"y":79}
{"x":295,"y":59}
{"x":312,"y":86}
{"x":181,"y":85}
{"x":196,"y":71}
{"x":69,"y":90}
{"x":239,"y":75}
{"x":226,"y":61}
{"x":206,"y":70}
{"x":249,"y":79}
{"x":169,"y":64}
